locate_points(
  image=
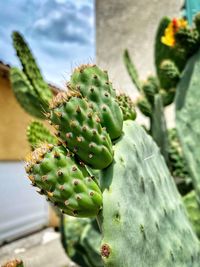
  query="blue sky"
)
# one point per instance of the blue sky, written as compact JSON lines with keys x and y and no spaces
{"x":61,"y":34}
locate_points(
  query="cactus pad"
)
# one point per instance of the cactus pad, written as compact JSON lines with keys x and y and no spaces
{"x":81,"y":130}
{"x":127,"y":107}
{"x":169,"y":74}
{"x":31,"y":69}
{"x":25,"y":94}
{"x":144,"y":221}
{"x":65,"y":182}
{"x":94,"y":84}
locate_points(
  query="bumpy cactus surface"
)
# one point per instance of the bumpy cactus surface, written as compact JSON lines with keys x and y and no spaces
{"x":64,"y":181}
{"x":153,"y":230}
{"x":94,"y":84}
{"x":127,"y":106}
{"x":150,"y":88}
{"x":37,"y":134}
{"x":187,"y":117}
{"x":169,"y":74}
{"x":79,"y":126}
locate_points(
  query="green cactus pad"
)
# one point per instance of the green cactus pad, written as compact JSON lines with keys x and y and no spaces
{"x":66,"y":183}
{"x":37,"y":134}
{"x":150,"y":88}
{"x":25,"y":94}
{"x":144,"y":106}
{"x":167,"y":96}
{"x":31,"y":69}
{"x":94,"y":84}
{"x":81,"y":130}
{"x":169,"y":74}
{"x":144,"y":221}
{"x":187,"y":118}
{"x":127,"y":107}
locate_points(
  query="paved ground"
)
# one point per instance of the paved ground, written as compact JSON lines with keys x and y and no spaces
{"x":42,"y":249}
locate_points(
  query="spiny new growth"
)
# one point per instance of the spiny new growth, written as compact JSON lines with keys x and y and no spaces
{"x":93,"y":83}
{"x":30,"y":89}
{"x":79,"y":127}
{"x":64,"y":181}
{"x":144,"y":106}
{"x":127,"y":106}
{"x":30,"y":67}
{"x":169,"y":74}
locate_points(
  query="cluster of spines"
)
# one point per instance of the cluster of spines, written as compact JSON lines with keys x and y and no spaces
{"x":64,"y":181}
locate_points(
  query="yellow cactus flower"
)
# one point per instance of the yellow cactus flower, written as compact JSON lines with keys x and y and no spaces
{"x":169,"y":37}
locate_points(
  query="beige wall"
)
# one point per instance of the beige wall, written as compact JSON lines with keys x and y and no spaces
{"x":130,"y":24}
{"x":14,"y":120}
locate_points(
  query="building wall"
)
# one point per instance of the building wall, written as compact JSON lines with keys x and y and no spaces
{"x":129,"y":24}
{"x":14,"y":121}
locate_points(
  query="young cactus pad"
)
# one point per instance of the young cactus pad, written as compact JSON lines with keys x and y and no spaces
{"x":65,"y":182}
{"x":94,"y":84}
{"x":30,"y":68}
{"x":144,"y":221}
{"x":127,"y":107}
{"x":80,"y":127}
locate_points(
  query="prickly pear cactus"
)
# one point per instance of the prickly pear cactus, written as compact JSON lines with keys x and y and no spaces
{"x":169,"y":74}
{"x":94,"y":84}
{"x":150,"y":88}
{"x":30,"y":68}
{"x":187,"y":118}
{"x":81,"y":130}
{"x":25,"y":94}
{"x":37,"y":134}
{"x":64,"y":181}
{"x":127,"y":107}
{"x":153,"y":230}
{"x":144,"y":106}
